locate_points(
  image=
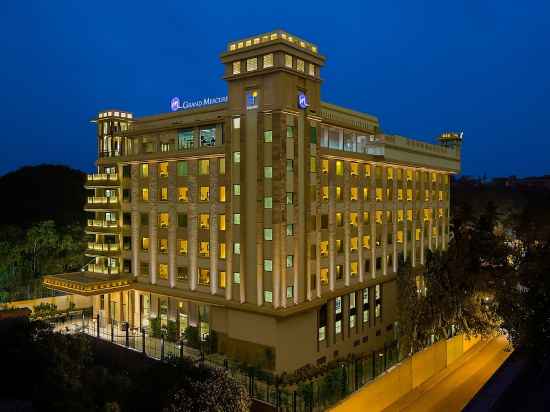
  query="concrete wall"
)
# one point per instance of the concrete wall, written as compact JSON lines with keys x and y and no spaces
{"x":407,"y":375}
{"x":62,"y":302}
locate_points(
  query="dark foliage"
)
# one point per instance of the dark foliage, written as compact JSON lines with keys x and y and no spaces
{"x":39,"y":193}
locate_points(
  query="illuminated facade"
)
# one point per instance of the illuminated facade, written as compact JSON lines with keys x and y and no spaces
{"x":272,"y":218}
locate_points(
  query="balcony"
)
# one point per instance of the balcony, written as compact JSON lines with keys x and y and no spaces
{"x":102,"y":180}
{"x":102,"y":249}
{"x":87,"y":283}
{"x":101,"y":203}
{"x":102,"y":269}
{"x":102,"y":226}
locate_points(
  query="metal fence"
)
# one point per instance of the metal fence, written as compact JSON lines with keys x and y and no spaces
{"x":310,"y":395}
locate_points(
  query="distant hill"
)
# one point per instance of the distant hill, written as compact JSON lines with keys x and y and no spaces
{"x":46,"y":192}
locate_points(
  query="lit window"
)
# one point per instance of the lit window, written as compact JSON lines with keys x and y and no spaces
{"x":354,"y":194}
{"x":236,"y":157}
{"x":204,"y":167}
{"x":268,"y":296}
{"x":204,"y":277}
{"x":221,"y":279}
{"x":252,"y":64}
{"x":289,"y":291}
{"x":366,"y":242}
{"x":399,"y":236}
{"x":400,"y":215}
{"x":366,"y":218}
{"x":145,"y":194}
{"x":236,"y":67}
{"x":182,"y":247}
{"x":163,"y":220}
{"x":222,"y":193}
{"x":312,"y":164}
{"x":163,"y":169}
{"x":409,"y":175}
{"x":417,"y":234}
{"x":289,"y":261}
{"x":323,"y":248}
{"x":144,"y":170}
{"x":339,"y":168}
{"x":324,"y":192}
{"x":324,"y":276}
{"x":379,"y":194}
{"x":183,"y":194}
{"x":290,"y":229}
{"x":409,"y":195}
{"x":324,"y":166}
{"x":365,"y":193}
{"x":221,"y":166}
{"x":204,"y":193}
{"x":367,"y":170}
{"x":440,"y":195}
{"x":409,"y":215}
{"x":354,"y":269}
{"x":237,"y":190}
{"x":399,"y":194}
{"x":338,"y":193}
{"x":353,"y":219}
{"x":145,"y":243}
{"x":163,"y":271}
{"x":268,"y":172}
{"x":163,"y":193}
{"x":236,"y":122}
{"x":379,"y":214}
{"x":221,"y":222}
{"x":237,"y":248}
{"x":300,"y":66}
{"x":236,"y":218}
{"x":222,"y":250}
{"x":204,"y":249}
{"x":353,"y":243}
{"x":236,"y":277}
{"x":268,"y":265}
{"x":339,"y":220}
{"x":268,"y":234}
{"x":163,"y":245}
{"x":354,"y":169}
{"x":268,"y":60}
{"x":389,"y":172}
{"x":288,"y":60}
{"x":268,"y":202}
{"x":268,"y":136}
{"x":204,"y":221}
{"x":311,"y":69}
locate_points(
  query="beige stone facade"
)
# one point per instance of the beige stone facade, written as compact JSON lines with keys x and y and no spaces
{"x":277,"y":226}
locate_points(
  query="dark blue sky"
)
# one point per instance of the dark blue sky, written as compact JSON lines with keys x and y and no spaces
{"x":423,"y":67}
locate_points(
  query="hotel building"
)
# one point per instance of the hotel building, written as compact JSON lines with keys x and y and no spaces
{"x":268,"y":217}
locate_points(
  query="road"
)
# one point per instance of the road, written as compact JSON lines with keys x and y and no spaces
{"x":452,"y":389}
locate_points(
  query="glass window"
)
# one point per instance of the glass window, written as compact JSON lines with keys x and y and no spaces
{"x":268,"y":296}
{"x":221,"y":166}
{"x":204,"y":248}
{"x":289,"y":261}
{"x":236,"y":218}
{"x":339,"y":168}
{"x":300,"y":65}
{"x":163,"y":271}
{"x":268,"y":234}
{"x":236,"y":277}
{"x":222,"y":250}
{"x":163,"y":245}
{"x":236,"y":67}
{"x":268,"y":136}
{"x":268,"y":172}
{"x":236,"y":157}
{"x":163,"y":220}
{"x":268,"y":265}
{"x":182,"y":246}
{"x":221,"y":222}
{"x":204,"y":277}
{"x":207,"y":136}
{"x":144,"y":170}
{"x":163,"y":169}
{"x":204,"y":221}
{"x":222,"y":279}
{"x":182,"y":168}
{"x":268,"y":202}
{"x":183,"y":194}
{"x":185,"y":139}
{"x":311,"y":69}
{"x":222,"y":193}
{"x":204,"y":195}
{"x":290,"y":229}
{"x":145,"y":243}
{"x":237,"y":248}
{"x":145,"y":194}
{"x":236,"y":122}
{"x":237,"y":190}
{"x":324,"y":166}
{"x":204,"y":167}
{"x":289,"y":291}
{"x":163,"y":194}
{"x":288,"y":60}
{"x":252,"y":64}
{"x":182,"y":220}
{"x":323,"y":248}
{"x":324,"y":276}
{"x":268,"y":60}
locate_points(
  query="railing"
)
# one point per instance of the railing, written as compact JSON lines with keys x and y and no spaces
{"x":107,"y":224}
{"x":109,"y":177}
{"x":95,"y":268}
{"x":102,"y":200}
{"x":110,"y":153}
{"x":104,"y":247}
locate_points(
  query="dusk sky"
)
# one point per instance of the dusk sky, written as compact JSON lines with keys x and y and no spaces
{"x":422,"y":67}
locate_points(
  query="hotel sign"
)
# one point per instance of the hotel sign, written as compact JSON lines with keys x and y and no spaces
{"x":303,"y":102}
{"x":176,"y":104}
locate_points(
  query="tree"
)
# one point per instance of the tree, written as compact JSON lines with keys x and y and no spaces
{"x":41,"y":242}
{"x":218,"y":392}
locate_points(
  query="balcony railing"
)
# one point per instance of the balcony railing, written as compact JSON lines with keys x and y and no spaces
{"x":104,"y":224}
{"x":95,"y":268}
{"x":103,"y":247}
{"x":102,"y":200}
{"x":103,"y":177}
